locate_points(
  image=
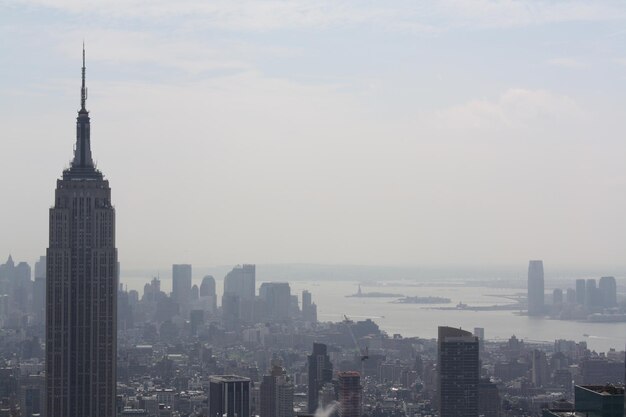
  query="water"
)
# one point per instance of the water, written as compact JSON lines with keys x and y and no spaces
{"x":416,"y":320}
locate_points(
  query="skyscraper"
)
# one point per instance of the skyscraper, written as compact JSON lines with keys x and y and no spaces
{"x":591,"y":293}
{"x":208,"y":297}
{"x":320,"y":372}
{"x":229,"y":396}
{"x":239,"y":293}
{"x":81,"y":287}
{"x":458,"y":373}
{"x":349,"y":394}
{"x":309,"y":309}
{"x":580,"y":291}
{"x":535,"y":288}
{"x":608,"y":291}
{"x":207,"y":287}
{"x":276,"y":394}
{"x":181,"y":285}
{"x":277,"y":297}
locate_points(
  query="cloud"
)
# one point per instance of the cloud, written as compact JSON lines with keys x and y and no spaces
{"x":564,"y":62}
{"x":514,"y":109}
{"x":406,"y":16}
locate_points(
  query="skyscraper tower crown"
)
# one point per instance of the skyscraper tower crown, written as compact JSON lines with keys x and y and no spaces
{"x":82,"y":166}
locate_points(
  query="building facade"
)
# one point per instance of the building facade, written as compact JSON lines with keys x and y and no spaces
{"x":229,"y":395}
{"x":181,"y":285}
{"x":81,"y":288}
{"x":320,"y":372}
{"x":350,"y":398}
{"x":458,"y":371}
{"x":536,"y":303}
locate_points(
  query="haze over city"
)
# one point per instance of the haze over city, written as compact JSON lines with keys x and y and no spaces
{"x":450,"y":133}
{"x":312,"y":208}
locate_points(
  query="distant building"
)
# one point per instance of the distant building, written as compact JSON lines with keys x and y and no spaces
{"x":309,"y":309}
{"x":540,"y":373}
{"x":536,"y":295}
{"x":594,"y":401}
{"x":557,"y":296}
{"x":196,"y":320}
{"x":602,"y":371}
{"x":570,"y":296}
{"x":207,"y":300}
{"x":591,"y":293}
{"x":207,"y":287}
{"x":320,"y":372}
{"x":479,"y":332}
{"x":40,"y":268}
{"x":39,"y":290}
{"x":599,"y":400}
{"x":580,"y":291}
{"x":32,"y":390}
{"x":276,"y":394}
{"x":489,"y":402}
{"x":181,"y":284}
{"x":458,"y":373}
{"x":350,"y":399}
{"x":608,"y":291}
{"x":195,"y":293}
{"x":229,"y":396}
{"x":277,"y":298}
{"x":239,"y":294}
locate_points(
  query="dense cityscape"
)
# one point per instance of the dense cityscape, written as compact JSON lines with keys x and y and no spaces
{"x":266,"y":353}
{"x":76,"y":341}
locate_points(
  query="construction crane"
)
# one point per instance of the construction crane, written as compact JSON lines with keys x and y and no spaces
{"x":363,"y":353}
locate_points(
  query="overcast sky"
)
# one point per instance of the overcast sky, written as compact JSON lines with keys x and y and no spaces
{"x":465,"y":132}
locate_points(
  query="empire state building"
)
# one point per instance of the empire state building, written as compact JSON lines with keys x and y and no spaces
{"x":81,"y":287}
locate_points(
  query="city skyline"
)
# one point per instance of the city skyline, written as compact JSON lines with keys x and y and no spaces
{"x":319,"y":153}
{"x":398,"y":172}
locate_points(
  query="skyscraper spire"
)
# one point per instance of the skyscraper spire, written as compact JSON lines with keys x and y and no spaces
{"x":83,"y":90}
{"x":82,"y":164}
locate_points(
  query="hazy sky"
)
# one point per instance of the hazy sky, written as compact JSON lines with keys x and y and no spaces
{"x":356,"y":132}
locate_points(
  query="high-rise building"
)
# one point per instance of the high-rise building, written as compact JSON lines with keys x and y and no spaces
{"x":320,"y":372}
{"x":208,"y":297}
{"x":557,"y":296}
{"x":479,"y":332}
{"x":458,"y":371}
{"x":580,"y":291}
{"x":350,"y":401}
{"x":239,"y":293}
{"x":540,"y":373}
{"x":81,"y":286}
{"x":181,"y":284}
{"x":39,"y":290}
{"x":229,"y":396}
{"x":40,"y":268}
{"x":591,"y":293}
{"x":276,"y":394}
{"x":608,"y":291}
{"x":535,"y":288}
{"x":489,"y":402}
{"x":570,"y":296}
{"x":309,"y":309}
{"x":599,"y":400}
{"x":207,"y":287}
{"x":277,"y":297}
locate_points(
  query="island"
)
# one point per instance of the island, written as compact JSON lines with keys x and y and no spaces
{"x":374,"y":294}
{"x":423,"y":300}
